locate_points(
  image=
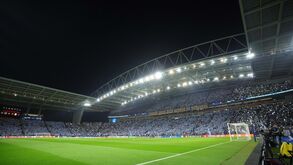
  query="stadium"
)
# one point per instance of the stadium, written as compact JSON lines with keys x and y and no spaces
{"x":226,"y":101}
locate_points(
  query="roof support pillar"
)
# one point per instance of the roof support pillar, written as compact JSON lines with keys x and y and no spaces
{"x":77,"y":115}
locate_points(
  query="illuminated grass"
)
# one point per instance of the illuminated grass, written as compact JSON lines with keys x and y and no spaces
{"x":128,"y":151}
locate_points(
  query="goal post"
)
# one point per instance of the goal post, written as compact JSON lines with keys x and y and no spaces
{"x":239,"y":131}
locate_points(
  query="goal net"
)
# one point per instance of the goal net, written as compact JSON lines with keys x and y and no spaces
{"x":43,"y":134}
{"x":238,"y":131}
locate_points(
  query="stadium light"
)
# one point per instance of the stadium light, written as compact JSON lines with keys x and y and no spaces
{"x":241,"y":75}
{"x":202,"y":64}
{"x":184,"y":84}
{"x":250,"y":55}
{"x":87,"y":104}
{"x":190,"y":83}
{"x":147,"y":78}
{"x":158,"y":75}
{"x":179,"y":85}
{"x":152,"y":77}
{"x":171,"y":71}
{"x":141,"y":81}
{"x":212,"y":62}
{"x":168,"y":88}
{"x":235,"y":57}
{"x":178,"y":70}
{"x":231,"y":76}
{"x":250,"y":75}
{"x":223,"y":60}
{"x":216,"y":79}
{"x":98,"y":99}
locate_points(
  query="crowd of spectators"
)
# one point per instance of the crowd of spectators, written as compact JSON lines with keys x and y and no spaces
{"x":260,"y":117}
{"x":10,"y":126}
{"x":33,"y":127}
{"x":217,"y":96}
{"x":191,"y":123}
{"x":214,"y":121}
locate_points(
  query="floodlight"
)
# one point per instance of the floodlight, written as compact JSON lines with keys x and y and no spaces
{"x":141,"y":81}
{"x":178,"y":70}
{"x":190,"y":83}
{"x":154,"y":91}
{"x":193,"y":65}
{"x":223,"y":60}
{"x":235,"y":58}
{"x":152,"y":77}
{"x":171,"y":71}
{"x":241,"y":75}
{"x":250,"y":55}
{"x":178,"y":85}
{"x":158,"y":75}
{"x":87,"y":104}
{"x":250,"y":75}
{"x":158,"y":90}
{"x":184,"y":84}
{"x":98,"y":99}
{"x":231,"y":76}
{"x":147,"y":78}
{"x":216,"y":79}
{"x":212,"y":62}
{"x":168,"y":88}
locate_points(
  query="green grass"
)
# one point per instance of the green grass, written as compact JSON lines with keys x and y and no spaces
{"x":127,"y":151}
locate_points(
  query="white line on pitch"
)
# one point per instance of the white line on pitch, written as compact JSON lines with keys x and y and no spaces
{"x":184,"y":153}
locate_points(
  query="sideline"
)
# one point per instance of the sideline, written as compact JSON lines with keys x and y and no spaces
{"x":184,"y":153}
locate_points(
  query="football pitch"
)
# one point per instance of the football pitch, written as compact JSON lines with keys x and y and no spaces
{"x":124,"y":151}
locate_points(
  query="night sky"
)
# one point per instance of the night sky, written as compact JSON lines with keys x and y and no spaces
{"x":79,"y":45}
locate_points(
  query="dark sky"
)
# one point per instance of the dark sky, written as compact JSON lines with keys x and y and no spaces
{"x":79,"y":45}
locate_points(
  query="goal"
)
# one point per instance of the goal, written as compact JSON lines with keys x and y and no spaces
{"x":238,"y":131}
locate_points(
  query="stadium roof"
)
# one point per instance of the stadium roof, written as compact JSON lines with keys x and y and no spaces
{"x":217,"y":60}
{"x":36,"y":95}
{"x":268,"y":36}
{"x":268,"y":24}
{"x":268,"y":29}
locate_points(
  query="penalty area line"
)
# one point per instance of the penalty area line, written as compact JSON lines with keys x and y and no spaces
{"x":180,"y":154}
